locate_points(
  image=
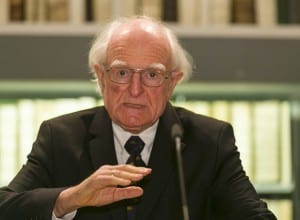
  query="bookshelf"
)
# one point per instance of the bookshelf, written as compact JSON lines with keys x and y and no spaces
{"x":240,"y":66}
{"x":187,"y":12}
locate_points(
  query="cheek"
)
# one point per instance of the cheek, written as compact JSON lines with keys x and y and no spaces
{"x":158,"y":102}
{"x":111,"y":94}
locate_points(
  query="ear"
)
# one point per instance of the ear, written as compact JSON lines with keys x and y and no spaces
{"x":174,"y":80}
{"x":176,"y":76}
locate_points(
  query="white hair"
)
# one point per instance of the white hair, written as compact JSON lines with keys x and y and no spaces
{"x":181,"y":60}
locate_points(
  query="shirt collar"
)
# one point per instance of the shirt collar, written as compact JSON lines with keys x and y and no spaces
{"x":147,"y":136}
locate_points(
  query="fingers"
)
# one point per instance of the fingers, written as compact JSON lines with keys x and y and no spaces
{"x":103,"y":186}
{"x":128,"y":168}
{"x":128,"y":192}
{"x":121,"y":175}
{"x":130,"y":173}
{"x":117,"y":194}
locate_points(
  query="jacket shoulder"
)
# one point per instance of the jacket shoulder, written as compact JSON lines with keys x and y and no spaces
{"x":79,"y":121}
{"x":202,"y":126}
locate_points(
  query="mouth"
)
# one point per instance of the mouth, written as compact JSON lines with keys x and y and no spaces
{"x":133,"y":105}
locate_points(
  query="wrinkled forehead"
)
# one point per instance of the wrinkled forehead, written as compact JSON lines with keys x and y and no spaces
{"x":139,"y":43}
{"x":139,"y":30}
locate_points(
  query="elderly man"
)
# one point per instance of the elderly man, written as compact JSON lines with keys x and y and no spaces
{"x":82,"y":165}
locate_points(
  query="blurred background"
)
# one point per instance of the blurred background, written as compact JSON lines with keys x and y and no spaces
{"x":246,"y":72}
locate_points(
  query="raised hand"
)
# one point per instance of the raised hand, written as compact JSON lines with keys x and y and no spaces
{"x":110,"y":183}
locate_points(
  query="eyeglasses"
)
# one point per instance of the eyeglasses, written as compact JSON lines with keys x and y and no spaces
{"x":150,"y":77}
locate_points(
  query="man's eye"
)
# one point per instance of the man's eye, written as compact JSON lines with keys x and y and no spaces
{"x":152,"y":75}
{"x":122,"y":72}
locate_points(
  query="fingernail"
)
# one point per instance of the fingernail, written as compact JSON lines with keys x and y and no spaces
{"x":145,"y":169}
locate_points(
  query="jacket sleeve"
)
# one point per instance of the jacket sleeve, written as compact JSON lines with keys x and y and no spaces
{"x":234,"y":195}
{"x":31,"y":194}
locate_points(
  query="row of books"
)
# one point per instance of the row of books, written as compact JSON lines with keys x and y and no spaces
{"x":187,"y":12}
{"x":262,"y":130}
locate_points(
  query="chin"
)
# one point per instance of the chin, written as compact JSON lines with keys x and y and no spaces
{"x":134,"y":130}
{"x":133,"y":127}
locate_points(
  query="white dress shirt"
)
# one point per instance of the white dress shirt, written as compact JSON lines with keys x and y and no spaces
{"x":120,"y":138}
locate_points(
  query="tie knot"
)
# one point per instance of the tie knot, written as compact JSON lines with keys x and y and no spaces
{"x":134,"y":145}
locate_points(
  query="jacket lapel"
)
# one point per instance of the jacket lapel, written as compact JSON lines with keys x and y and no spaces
{"x":162,"y":162}
{"x":102,"y":151}
{"x":101,"y":145}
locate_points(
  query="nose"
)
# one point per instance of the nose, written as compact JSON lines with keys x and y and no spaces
{"x":136,"y":85}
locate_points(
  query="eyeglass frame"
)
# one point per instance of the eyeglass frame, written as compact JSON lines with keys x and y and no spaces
{"x":165,"y":76}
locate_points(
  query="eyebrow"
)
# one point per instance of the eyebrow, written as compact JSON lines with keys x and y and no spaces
{"x":117,"y":63}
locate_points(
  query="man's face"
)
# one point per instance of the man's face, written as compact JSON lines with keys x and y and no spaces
{"x":135,"y":106}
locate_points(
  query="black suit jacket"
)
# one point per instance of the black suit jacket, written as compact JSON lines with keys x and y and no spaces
{"x":71,"y":147}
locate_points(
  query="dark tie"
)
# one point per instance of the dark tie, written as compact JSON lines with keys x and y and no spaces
{"x":134,"y":147}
